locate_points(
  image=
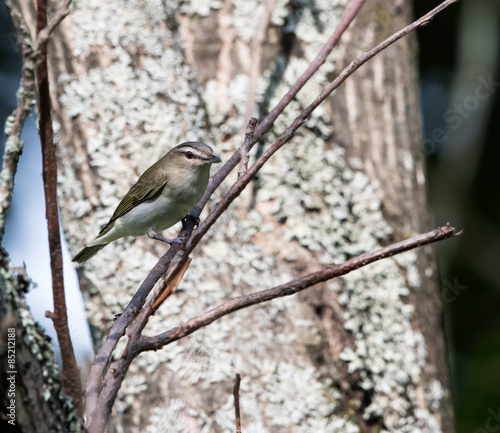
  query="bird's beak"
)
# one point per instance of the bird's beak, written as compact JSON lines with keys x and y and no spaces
{"x":214,"y":159}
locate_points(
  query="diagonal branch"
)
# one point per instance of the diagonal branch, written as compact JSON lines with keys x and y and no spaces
{"x":292,"y":287}
{"x":287,"y":135}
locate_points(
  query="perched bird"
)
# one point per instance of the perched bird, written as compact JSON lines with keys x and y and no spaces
{"x":164,"y":194}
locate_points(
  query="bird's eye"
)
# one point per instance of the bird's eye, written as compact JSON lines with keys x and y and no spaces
{"x":189,"y":155}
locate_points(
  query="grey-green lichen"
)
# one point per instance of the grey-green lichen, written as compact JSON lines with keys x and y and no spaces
{"x":34,"y":356}
{"x":309,"y":195}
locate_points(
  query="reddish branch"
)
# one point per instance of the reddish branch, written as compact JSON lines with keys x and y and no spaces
{"x":35,"y":60}
{"x":103,"y":387}
{"x":292,"y":287}
{"x":70,"y":371}
{"x":236,"y":394}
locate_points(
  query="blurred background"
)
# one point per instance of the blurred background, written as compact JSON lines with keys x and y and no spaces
{"x":460,"y":98}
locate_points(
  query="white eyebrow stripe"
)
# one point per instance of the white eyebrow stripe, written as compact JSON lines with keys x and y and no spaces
{"x":196,"y":152}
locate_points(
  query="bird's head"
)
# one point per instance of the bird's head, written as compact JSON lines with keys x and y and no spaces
{"x":192,"y":155}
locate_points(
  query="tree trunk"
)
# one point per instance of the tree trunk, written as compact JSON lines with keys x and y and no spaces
{"x":365,"y":352}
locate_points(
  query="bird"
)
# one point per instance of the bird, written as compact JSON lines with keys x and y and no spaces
{"x":162,"y":196}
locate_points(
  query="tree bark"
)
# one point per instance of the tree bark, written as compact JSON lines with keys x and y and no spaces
{"x":365,"y":352}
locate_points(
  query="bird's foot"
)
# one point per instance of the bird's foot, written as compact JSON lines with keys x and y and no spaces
{"x":193,"y":218}
{"x":153,"y":235}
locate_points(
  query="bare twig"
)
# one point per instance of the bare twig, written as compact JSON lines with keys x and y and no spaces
{"x":70,"y":371}
{"x":286,"y":136}
{"x":236,"y":394}
{"x":247,"y":143}
{"x":292,"y":287}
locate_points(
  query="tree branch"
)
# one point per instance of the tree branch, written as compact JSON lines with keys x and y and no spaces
{"x":236,"y":394}
{"x":70,"y":371}
{"x":292,"y":287}
{"x":118,"y":369}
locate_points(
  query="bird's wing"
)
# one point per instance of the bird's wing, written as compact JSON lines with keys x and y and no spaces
{"x":143,"y":190}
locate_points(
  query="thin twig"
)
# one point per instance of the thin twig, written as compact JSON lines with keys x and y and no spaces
{"x":286,"y":136}
{"x":292,"y":287}
{"x":70,"y":372}
{"x":236,"y":394}
{"x":247,"y":144}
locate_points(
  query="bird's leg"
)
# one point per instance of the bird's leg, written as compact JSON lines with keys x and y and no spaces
{"x":153,"y":235}
{"x":193,"y":218}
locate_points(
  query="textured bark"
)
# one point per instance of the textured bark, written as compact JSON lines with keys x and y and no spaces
{"x":361,"y":353}
{"x":29,"y":369}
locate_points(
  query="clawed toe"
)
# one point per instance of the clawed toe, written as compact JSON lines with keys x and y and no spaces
{"x":153,"y":235}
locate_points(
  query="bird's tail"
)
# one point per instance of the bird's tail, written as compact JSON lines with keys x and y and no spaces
{"x":88,"y":252}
